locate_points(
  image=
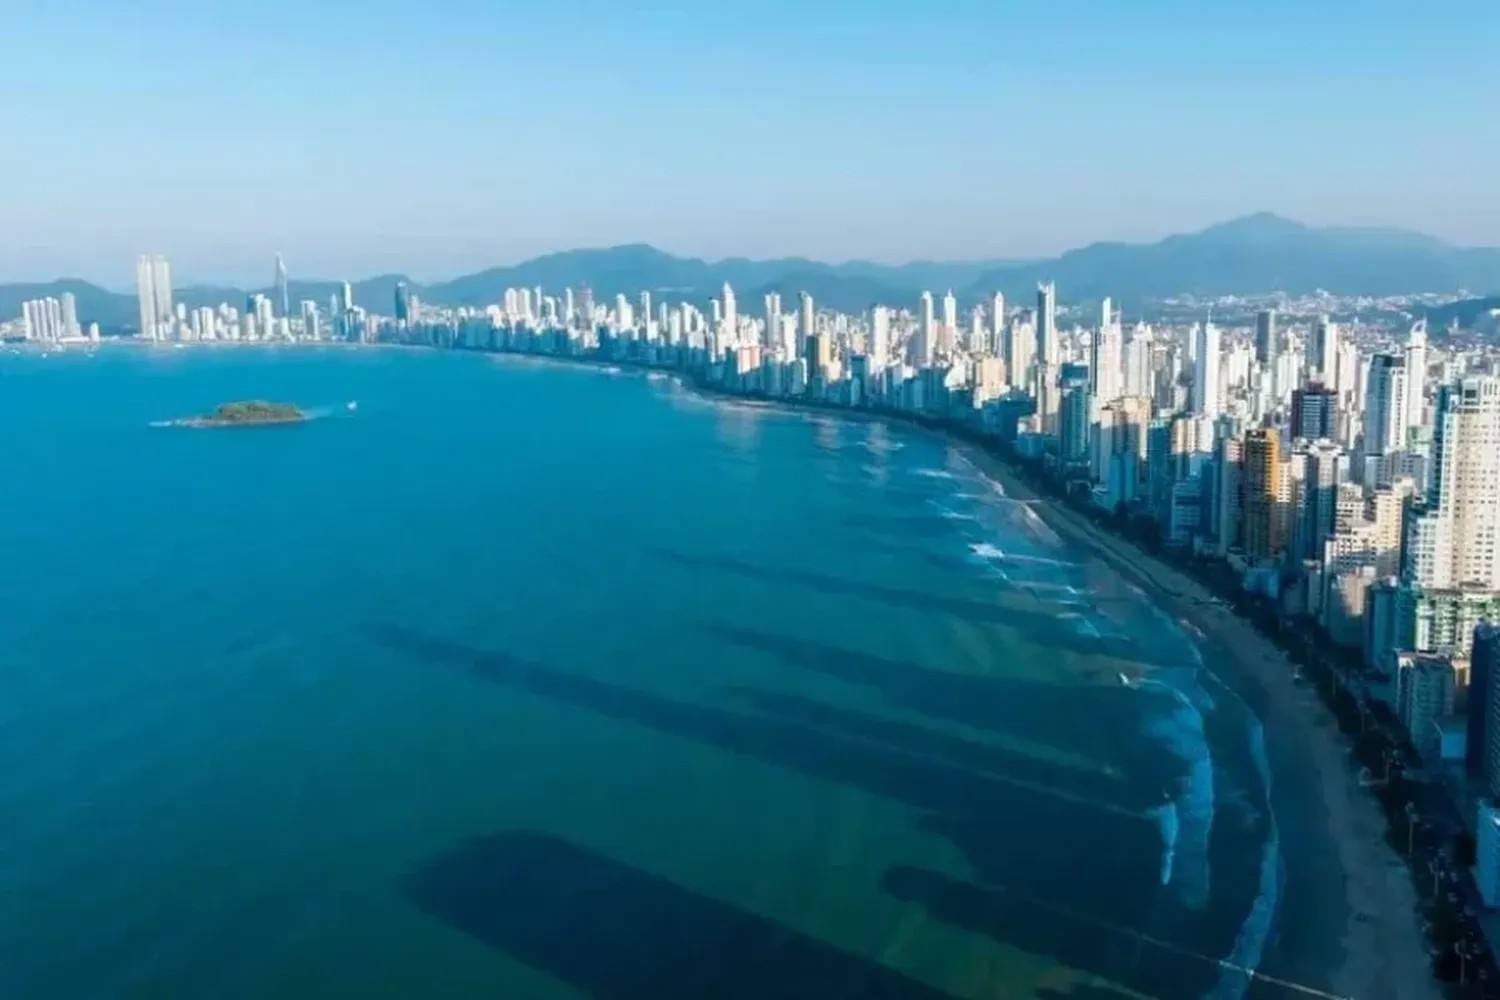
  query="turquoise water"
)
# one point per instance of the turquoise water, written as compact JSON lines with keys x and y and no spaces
{"x":527,"y":680}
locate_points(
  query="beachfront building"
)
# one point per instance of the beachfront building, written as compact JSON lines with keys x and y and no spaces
{"x":1487,"y":854}
{"x":1482,"y":755}
{"x":1263,"y":513}
{"x":1430,"y":621}
{"x":1426,"y":688}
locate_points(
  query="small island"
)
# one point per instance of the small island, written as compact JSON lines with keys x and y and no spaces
{"x":247,"y":413}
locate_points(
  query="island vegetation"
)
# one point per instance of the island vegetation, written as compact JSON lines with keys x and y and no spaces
{"x":247,"y":413}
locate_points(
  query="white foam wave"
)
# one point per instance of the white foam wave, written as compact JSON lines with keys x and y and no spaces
{"x":935,"y":473}
{"x":1167,"y":825}
{"x":1250,"y":942}
{"x":1181,"y":731}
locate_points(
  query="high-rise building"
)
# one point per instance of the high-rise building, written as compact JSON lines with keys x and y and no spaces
{"x":950,"y":318}
{"x":153,"y":289}
{"x":1206,"y":394}
{"x":70,"y":328}
{"x":1105,"y":364}
{"x":1018,"y":349}
{"x":1315,"y":412}
{"x":1075,"y":415}
{"x":808,"y":322}
{"x":1262,"y":518}
{"x":403,"y":303}
{"x":1267,"y":347}
{"x":1323,"y":352}
{"x":925,"y":341}
{"x":1325,"y":467}
{"x":1464,"y":489}
{"x":1046,"y":325}
{"x":1482,"y":753}
{"x":880,"y":338}
{"x":997,"y":323}
{"x":283,"y":294}
{"x":731,"y":318}
{"x":1385,"y":405}
{"x":1416,"y":376}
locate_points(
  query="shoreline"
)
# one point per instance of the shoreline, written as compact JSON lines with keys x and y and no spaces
{"x":1373,"y":912}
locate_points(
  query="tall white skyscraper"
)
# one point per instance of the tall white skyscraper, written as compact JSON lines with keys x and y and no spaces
{"x":997,"y":323}
{"x":1046,"y":324}
{"x":922,"y":354}
{"x":1385,"y":405}
{"x":1323,"y":352}
{"x":283,"y":294}
{"x":950,"y":317}
{"x":1137,"y":367}
{"x":880,"y":338}
{"x":70,"y":316}
{"x":1105,"y":360}
{"x":808,"y":323}
{"x":1465,"y":485}
{"x":731,"y":312}
{"x":1206,"y":400}
{"x":771,"y":334}
{"x":153,"y":289}
{"x":1416,"y":374}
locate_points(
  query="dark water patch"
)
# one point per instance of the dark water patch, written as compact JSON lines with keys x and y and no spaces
{"x":1042,"y":926}
{"x":1098,"y":721}
{"x":925,"y":741}
{"x":1039,"y":839}
{"x":1033,"y":624}
{"x":619,"y":933}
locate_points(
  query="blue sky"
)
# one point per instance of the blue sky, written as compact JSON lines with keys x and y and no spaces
{"x":444,"y":136}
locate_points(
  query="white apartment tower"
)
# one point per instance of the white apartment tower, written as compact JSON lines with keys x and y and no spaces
{"x":1206,"y":372}
{"x":153,"y":289}
{"x":1046,"y":325}
{"x":1465,"y":485}
{"x":1416,"y":374}
{"x":1385,"y":405}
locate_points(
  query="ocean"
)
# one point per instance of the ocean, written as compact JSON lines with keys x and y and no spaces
{"x":525,"y":679}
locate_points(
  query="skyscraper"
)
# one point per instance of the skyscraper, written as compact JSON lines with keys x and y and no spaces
{"x":1206,"y":398}
{"x":1385,"y":405}
{"x":153,"y":289}
{"x":1323,"y":352}
{"x":731,"y":312}
{"x":1416,"y":375}
{"x":926,"y":335}
{"x":403,"y":303}
{"x":950,"y":318}
{"x":997,"y":323}
{"x":1464,"y":490}
{"x":880,"y":337}
{"x":1262,"y":518}
{"x":1105,"y":361}
{"x":283,"y":294}
{"x":808,"y":319}
{"x":1046,"y":324}
{"x":1265,"y":338}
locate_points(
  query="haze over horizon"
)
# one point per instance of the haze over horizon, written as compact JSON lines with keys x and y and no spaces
{"x":837,"y":131}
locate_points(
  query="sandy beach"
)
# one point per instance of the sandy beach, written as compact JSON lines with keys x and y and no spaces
{"x":1375,"y":923}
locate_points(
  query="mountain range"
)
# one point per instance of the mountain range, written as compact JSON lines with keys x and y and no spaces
{"x":1253,"y":254}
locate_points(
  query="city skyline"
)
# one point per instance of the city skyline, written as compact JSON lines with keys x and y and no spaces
{"x":833,"y":131}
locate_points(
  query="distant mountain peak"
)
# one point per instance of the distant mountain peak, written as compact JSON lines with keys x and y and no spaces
{"x":1257,"y":225}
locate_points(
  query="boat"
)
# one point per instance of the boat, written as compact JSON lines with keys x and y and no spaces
{"x":353,"y":405}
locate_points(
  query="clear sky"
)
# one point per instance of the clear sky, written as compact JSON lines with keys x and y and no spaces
{"x":442,"y":136}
